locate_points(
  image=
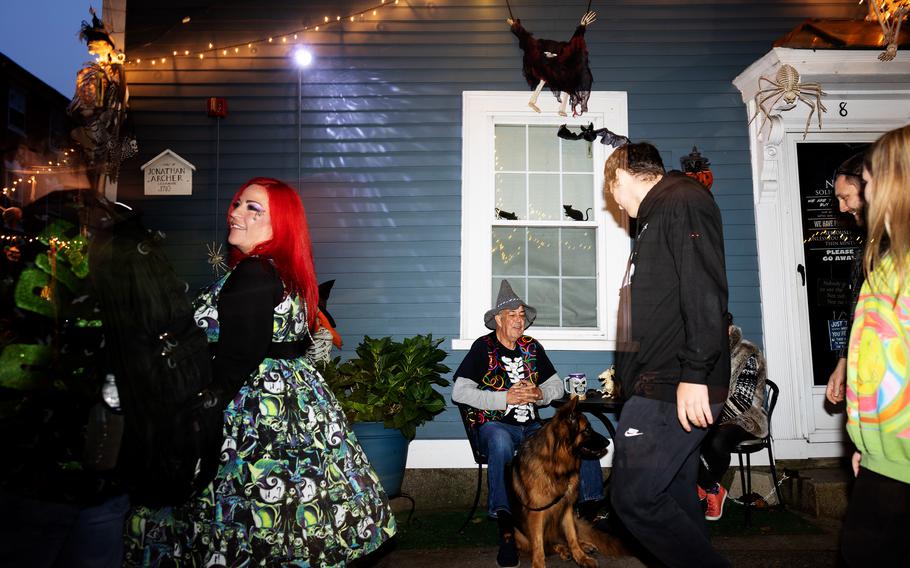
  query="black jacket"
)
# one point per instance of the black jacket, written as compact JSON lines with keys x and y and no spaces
{"x":677,"y":295}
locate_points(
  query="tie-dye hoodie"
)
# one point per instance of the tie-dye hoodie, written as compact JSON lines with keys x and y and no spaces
{"x":878,"y":374}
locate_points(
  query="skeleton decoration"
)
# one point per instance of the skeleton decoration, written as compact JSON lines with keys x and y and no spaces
{"x":609,"y":388}
{"x":890,"y":14}
{"x":325,"y":336}
{"x":100,"y":103}
{"x":562,"y":65}
{"x":786,"y":86}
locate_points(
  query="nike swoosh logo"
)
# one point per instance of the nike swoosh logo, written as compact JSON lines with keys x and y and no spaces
{"x":632,"y":432}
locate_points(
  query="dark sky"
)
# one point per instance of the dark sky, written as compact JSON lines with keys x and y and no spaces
{"x":42,"y":37}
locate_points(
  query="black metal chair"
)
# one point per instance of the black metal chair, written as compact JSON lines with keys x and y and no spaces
{"x":479,"y":458}
{"x":749,"y":447}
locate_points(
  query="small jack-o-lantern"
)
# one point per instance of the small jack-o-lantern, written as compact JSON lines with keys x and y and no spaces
{"x":697,"y":166}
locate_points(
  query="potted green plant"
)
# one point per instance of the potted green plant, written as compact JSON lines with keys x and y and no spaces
{"x":386,"y":392}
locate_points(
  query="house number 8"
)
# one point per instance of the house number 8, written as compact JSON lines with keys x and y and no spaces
{"x":843,"y":109}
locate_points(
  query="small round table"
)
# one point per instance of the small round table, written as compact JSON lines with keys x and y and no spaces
{"x":597,"y":406}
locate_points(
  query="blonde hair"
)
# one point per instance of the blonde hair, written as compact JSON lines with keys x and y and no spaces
{"x":888,"y":163}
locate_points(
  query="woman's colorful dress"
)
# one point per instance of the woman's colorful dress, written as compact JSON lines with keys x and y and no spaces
{"x":294,"y":487}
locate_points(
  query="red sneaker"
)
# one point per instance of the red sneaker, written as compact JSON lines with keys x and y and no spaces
{"x":716,"y":498}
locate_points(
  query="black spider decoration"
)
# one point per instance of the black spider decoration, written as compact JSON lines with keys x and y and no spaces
{"x":588,"y":133}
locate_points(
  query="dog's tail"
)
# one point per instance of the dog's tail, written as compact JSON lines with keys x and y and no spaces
{"x":607,"y":543}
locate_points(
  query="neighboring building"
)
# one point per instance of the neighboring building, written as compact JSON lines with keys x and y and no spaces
{"x":34,"y":136}
{"x":412,"y":145}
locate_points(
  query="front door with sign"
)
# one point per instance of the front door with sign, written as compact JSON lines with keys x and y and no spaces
{"x":831,"y":242}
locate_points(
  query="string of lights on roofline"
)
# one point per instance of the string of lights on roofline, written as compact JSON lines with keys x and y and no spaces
{"x":301,"y":56}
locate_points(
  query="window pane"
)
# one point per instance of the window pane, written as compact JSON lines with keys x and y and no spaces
{"x":543,"y":294}
{"x":577,"y":190}
{"x":578,"y":252}
{"x":577,"y":155}
{"x":579,"y":303}
{"x":510,"y":148}
{"x":543,"y":252}
{"x":543,"y":149}
{"x":508,"y":252}
{"x":510,"y":196}
{"x":543,"y":197}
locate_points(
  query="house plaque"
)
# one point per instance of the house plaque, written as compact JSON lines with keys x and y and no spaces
{"x":168,"y":174}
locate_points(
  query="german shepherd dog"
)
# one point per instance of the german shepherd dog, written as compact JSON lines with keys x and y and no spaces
{"x":545,"y":477}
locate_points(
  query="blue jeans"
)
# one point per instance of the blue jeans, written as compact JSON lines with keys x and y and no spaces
{"x":43,"y":534}
{"x":499,"y":442}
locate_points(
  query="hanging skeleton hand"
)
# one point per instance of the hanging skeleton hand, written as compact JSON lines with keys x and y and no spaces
{"x":588,"y":19}
{"x":510,"y":21}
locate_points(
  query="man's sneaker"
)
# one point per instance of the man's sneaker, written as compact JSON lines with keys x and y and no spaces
{"x":508,"y":552}
{"x":702,"y":494}
{"x":716,"y":498}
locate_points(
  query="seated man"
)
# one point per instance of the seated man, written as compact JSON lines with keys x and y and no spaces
{"x":504,"y":378}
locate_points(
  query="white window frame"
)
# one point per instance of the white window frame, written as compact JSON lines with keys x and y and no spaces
{"x":481,"y":111}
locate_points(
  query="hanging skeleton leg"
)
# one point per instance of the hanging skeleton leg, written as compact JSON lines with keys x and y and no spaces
{"x":533,"y":102}
{"x":564,"y":105}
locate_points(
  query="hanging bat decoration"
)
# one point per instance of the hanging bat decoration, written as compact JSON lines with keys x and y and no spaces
{"x":560,"y":65}
{"x":588,"y":133}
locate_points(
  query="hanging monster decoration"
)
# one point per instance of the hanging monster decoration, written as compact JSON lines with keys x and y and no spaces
{"x":889,"y":14}
{"x":99,"y":105}
{"x":560,"y":65}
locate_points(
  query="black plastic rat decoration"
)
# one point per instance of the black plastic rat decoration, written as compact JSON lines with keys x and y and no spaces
{"x":508,"y":216}
{"x":561,"y":65}
{"x":588,"y":133}
{"x":577,"y":215}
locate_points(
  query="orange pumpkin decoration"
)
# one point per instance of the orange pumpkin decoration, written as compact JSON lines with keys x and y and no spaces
{"x":698,"y":167}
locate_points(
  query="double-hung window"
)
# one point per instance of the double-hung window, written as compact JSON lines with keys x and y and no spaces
{"x":533,"y":212}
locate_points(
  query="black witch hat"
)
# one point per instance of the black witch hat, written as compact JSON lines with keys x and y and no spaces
{"x":94,"y":31}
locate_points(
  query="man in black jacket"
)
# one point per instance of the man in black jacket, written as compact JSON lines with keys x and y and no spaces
{"x":673,"y":356}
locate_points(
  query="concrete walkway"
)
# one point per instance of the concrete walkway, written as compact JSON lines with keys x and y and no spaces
{"x":791,"y":551}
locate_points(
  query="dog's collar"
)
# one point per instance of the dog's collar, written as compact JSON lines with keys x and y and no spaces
{"x":551,"y":503}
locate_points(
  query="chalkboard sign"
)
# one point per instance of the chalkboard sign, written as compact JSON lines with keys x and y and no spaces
{"x":831,"y":241}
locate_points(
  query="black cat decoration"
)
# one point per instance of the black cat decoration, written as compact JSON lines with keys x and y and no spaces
{"x":577,"y":215}
{"x":500,"y":214}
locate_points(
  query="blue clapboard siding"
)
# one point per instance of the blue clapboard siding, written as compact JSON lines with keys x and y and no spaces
{"x":380,"y":133}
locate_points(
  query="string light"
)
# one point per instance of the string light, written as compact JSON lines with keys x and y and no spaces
{"x":226,"y":49}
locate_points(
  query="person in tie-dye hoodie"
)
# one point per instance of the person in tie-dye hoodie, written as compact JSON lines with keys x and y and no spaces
{"x":878,"y":367}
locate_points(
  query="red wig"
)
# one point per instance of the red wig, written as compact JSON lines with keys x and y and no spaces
{"x":289,"y":248}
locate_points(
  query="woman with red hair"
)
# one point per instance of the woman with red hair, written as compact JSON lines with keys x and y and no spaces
{"x":293,"y":487}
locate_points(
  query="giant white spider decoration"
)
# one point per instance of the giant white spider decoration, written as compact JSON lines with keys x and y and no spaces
{"x":786,"y":86}
{"x":890,"y":14}
{"x":217,"y":259}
